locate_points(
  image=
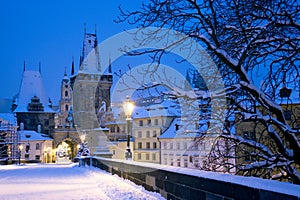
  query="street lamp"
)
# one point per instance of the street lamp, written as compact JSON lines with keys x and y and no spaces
{"x":128,"y":108}
{"x":20,"y":151}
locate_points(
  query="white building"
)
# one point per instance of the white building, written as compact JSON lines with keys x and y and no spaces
{"x":36,"y":147}
{"x":148,"y":124}
{"x":183,"y":147}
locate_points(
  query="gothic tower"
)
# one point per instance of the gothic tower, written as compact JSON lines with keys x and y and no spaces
{"x":91,"y":95}
{"x":65,"y":103}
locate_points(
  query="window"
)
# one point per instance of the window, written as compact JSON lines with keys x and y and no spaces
{"x":154,"y":156}
{"x":154,"y":145}
{"x":184,"y":145}
{"x":139,"y":156}
{"x":164,"y":145}
{"x":118,"y":129}
{"x":148,"y":145}
{"x":140,"y":145}
{"x":177,"y":145}
{"x":147,"y":134}
{"x":154,"y":134}
{"x":67,"y":107}
{"x":171,"y":161}
{"x":37,"y":146}
{"x":149,"y":122}
{"x":141,"y":123}
{"x":191,"y":159}
{"x":37,"y":157}
{"x":112,"y":129}
{"x":66,"y":93}
{"x":156,"y":122}
{"x":165,"y":159}
{"x":178,"y":161}
{"x":171,"y":145}
{"x":147,"y":157}
{"x":26,"y":156}
{"x":140,"y":134}
{"x":185,"y":161}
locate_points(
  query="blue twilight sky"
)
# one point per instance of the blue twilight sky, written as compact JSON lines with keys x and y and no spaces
{"x":51,"y":32}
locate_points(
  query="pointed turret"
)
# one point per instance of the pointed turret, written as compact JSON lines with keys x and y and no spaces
{"x":109,"y":66}
{"x":90,"y":59}
{"x":40,"y":67}
{"x":24,"y":67}
{"x":72,"y":68}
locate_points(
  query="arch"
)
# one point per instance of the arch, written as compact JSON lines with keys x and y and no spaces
{"x":67,"y":107}
{"x":66,"y":93}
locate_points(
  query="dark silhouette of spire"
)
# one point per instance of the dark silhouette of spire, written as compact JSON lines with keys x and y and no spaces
{"x":40,"y":67}
{"x":109,"y":66}
{"x":24,"y":67}
{"x":72,"y":69}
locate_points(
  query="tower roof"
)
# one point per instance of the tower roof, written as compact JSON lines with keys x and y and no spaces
{"x":31,"y":86}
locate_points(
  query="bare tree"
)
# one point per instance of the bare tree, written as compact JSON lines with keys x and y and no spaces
{"x":245,"y":38}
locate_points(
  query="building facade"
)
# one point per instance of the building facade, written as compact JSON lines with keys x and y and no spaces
{"x":36,"y":147}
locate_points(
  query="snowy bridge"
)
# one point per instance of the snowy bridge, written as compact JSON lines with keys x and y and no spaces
{"x":40,"y":181}
{"x":66,"y":182}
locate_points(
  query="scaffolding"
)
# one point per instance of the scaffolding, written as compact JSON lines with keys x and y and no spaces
{"x":9,"y":141}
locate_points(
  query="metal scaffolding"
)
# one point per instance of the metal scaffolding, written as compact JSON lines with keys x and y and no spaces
{"x":9,"y":141}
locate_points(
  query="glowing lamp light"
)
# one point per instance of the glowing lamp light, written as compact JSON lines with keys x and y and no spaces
{"x":128,"y":107}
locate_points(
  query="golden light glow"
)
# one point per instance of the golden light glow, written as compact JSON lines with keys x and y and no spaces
{"x":20,"y":147}
{"x":128,"y":107}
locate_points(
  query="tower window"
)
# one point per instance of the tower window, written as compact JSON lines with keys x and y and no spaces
{"x":90,"y":41}
{"x":66,"y":93}
{"x":67,"y":107}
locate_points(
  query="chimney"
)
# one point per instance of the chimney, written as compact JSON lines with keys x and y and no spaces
{"x":22,"y":126}
{"x":39,"y":127}
{"x":176,"y":127}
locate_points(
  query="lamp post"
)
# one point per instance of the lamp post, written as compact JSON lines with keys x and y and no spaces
{"x":20,"y":151}
{"x":128,"y":108}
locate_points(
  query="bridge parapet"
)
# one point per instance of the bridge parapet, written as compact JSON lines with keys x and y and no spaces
{"x":181,"y":183}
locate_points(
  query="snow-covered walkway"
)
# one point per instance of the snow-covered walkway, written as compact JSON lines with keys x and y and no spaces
{"x":39,"y":181}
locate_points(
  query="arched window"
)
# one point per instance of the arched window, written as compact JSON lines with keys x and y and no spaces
{"x":67,"y":107}
{"x":66,"y":93}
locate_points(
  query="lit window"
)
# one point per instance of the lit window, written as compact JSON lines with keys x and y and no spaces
{"x":141,"y":122}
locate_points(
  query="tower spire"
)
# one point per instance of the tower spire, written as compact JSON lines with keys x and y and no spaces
{"x":72,"y":69}
{"x":40,"y":67}
{"x":65,"y":73}
{"x":95,"y":29}
{"x":24,"y":66}
{"x":84,"y":28}
{"x":109,"y":66}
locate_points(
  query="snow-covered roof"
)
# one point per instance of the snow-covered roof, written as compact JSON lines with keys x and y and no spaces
{"x":167,"y":108}
{"x":31,"y":135}
{"x":31,"y":85}
{"x":10,"y":117}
